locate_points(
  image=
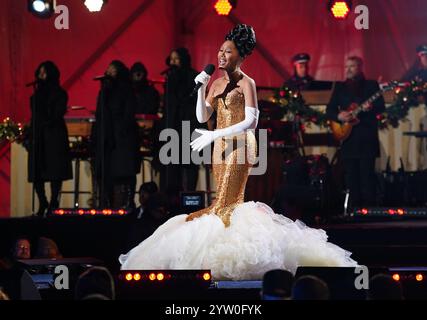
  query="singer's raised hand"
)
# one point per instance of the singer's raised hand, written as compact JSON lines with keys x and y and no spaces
{"x":203,"y":78}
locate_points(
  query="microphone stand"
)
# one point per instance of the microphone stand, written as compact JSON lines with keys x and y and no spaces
{"x":102,"y":120}
{"x":299,"y":139}
{"x":168,"y":120}
{"x":33,"y":147}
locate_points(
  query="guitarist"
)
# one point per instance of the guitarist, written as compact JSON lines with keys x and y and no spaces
{"x":359,"y":150}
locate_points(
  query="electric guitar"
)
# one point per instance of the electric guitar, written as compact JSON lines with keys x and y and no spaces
{"x":342,"y":130}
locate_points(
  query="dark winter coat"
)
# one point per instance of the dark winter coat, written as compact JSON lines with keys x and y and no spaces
{"x":52,"y":154}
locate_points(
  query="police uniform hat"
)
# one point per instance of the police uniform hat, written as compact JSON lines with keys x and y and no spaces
{"x":422,"y":49}
{"x":301,"y":58}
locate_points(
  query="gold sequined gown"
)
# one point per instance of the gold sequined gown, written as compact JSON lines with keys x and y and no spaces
{"x":232,"y":158}
{"x":236,"y":240}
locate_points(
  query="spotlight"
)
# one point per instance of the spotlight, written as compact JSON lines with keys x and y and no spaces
{"x":224,"y":7}
{"x":42,"y":8}
{"x":94,"y":5}
{"x":340,"y":9}
{"x":396,"y":277}
{"x":206,"y":276}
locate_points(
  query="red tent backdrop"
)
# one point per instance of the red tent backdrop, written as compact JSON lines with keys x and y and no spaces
{"x":147,"y":30}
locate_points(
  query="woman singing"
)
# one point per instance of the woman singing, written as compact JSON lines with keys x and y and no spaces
{"x":235,"y":240}
{"x":49,"y":158}
{"x":115,"y":139}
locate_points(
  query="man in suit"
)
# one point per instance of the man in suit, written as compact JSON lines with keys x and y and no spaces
{"x":359,"y":150}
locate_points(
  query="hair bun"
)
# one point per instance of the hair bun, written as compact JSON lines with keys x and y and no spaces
{"x":243,"y":37}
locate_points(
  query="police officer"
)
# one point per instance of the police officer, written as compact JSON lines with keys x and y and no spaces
{"x":420,"y":73}
{"x":301,"y":80}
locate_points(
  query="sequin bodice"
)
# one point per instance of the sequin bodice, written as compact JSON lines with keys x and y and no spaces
{"x":230,"y":110}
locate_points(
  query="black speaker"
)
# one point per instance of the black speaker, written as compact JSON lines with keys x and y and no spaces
{"x":18,"y":284}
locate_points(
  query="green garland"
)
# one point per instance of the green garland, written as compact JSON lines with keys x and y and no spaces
{"x":11,"y":131}
{"x":293,"y":105}
{"x":410,"y":96}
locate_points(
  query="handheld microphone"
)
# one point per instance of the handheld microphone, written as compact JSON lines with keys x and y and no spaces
{"x":209,"y":69}
{"x":165,"y":71}
{"x":30,"y":84}
{"x":77,"y":108}
{"x":100,"y":78}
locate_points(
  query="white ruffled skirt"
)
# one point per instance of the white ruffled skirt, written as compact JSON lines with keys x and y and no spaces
{"x":257,"y":240}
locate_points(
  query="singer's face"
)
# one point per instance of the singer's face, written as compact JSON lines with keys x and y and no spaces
{"x":111,"y":71}
{"x":138,"y":76}
{"x":174,"y":59}
{"x":42,"y":73}
{"x":228,"y":56}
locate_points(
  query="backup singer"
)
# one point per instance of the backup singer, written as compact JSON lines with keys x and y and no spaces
{"x":179,"y":107}
{"x":115,"y":139}
{"x":49,"y":158}
{"x":147,"y":97}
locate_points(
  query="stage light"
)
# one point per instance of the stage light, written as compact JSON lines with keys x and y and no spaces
{"x":89,"y":212}
{"x":39,"y":6}
{"x":224,"y":7}
{"x":42,"y":8}
{"x":390,"y":213}
{"x":396,"y":277}
{"x":419,"y":277}
{"x":94,"y":5}
{"x":206,"y":276}
{"x":160,"y":276}
{"x":340,"y":9}
{"x":200,"y":276}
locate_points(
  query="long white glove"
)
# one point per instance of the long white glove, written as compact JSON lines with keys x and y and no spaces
{"x":207,"y":136}
{"x":203,"y":109}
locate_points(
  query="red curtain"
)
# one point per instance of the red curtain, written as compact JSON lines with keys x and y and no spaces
{"x":283,"y":27}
